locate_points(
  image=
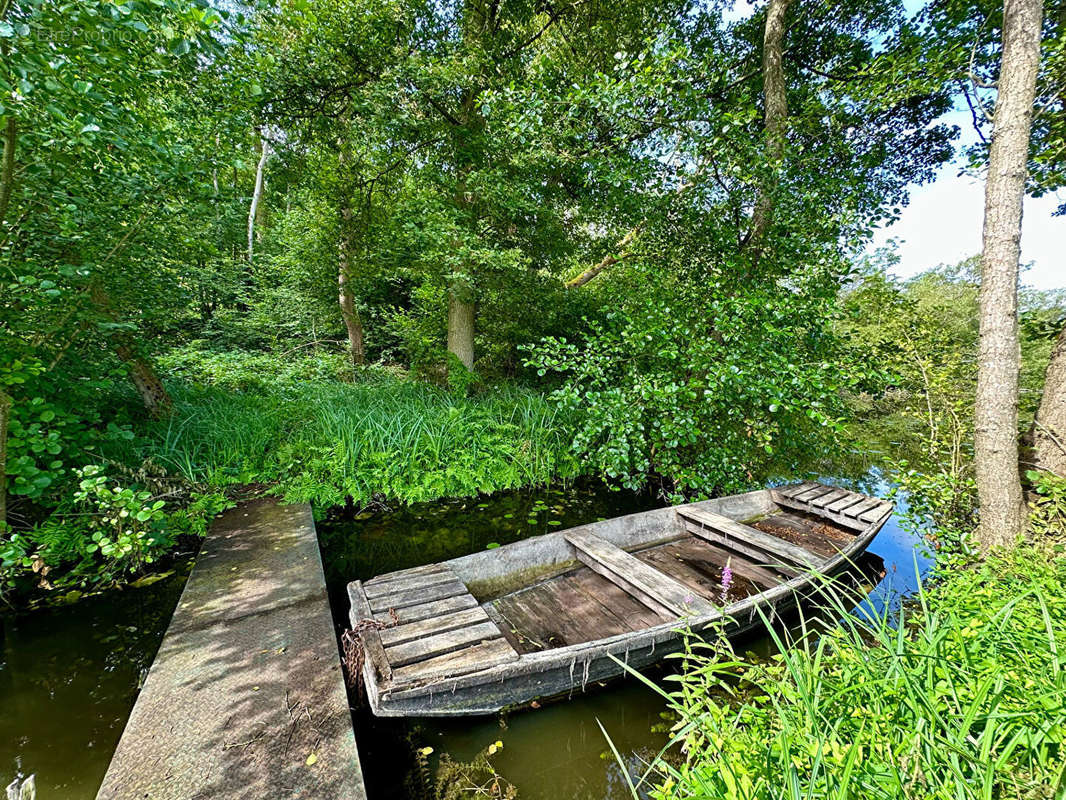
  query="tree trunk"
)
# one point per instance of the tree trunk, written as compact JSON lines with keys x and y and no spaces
{"x":149,"y":386}
{"x":7,"y":170}
{"x":1049,"y":428}
{"x":5,"y":414}
{"x":775,"y":117}
{"x":461,"y":330}
{"x":999,"y":486}
{"x":257,"y":194}
{"x":352,"y":322}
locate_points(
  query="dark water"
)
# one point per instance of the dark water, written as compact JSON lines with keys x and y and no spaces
{"x":69,"y":675}
{"x":557,"y":751}
{"x":68,"y":679}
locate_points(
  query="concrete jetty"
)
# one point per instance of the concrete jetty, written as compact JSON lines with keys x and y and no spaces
{"x":245,"y":698}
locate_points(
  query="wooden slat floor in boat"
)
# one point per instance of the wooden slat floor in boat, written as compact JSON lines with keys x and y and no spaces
{"x":847,"y":508}
{"x":578,"y":606}
{"x":582,"y":605}
{"x":816,"y":534}
{"x":426,"y":626}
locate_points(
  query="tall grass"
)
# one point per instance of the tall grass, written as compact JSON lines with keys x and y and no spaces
{"x":963,"y":696}
{"x":325,"y":441}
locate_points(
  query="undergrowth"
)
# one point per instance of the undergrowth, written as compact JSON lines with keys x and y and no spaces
{"x":383,"y":437}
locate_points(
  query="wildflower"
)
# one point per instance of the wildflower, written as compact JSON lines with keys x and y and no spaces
{"x":727,"y":580}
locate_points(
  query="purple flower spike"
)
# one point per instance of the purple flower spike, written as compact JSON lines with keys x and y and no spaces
{"x":727,"y":581}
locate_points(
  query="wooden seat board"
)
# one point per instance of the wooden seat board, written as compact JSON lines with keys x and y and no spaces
{"x":421,"y":596}
{"x":737,"y":531}
{"x":429,"y":647}
{"x":436,"y":608}
{"x":649,"y":585}
{"x":407,"y":584}
{"x":460,"y":662}
{"x":432,"y":625}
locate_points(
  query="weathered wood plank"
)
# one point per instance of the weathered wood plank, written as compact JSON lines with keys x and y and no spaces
{"x":831,"y":497}
{"x":861,"y":508}
{"x":407,"y":584}
{"x":810,"y":494}
{"x":425,"y":569}
{"x":432,"y":646}
{"x":735,"y":531}
{"x":461,"y":662}
{"x":593,"y":619}
{"x":797,"y":489}
{"x":615,"y":599}
{"x":404,"y":616}
{"x":852,"y":498}
{"x":876,"y":512}
{"x":647,"y":584}
{"x":362,"y":619}
{"x":432,"y":625}
{"x":417,"y":597}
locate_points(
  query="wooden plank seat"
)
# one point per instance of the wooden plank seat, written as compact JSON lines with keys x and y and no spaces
{"x":423,"y":624}
{"x":750,"y":541}
{"x":851,"y":509}
{"x":655,"y":589}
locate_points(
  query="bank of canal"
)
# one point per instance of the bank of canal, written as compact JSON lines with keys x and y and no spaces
{"x":69,"y":676}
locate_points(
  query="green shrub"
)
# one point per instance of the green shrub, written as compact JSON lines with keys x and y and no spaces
{"x":961,"y":696}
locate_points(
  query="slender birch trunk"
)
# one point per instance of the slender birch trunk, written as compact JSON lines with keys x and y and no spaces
{"x":999,"y":486}
{"x":257,"y":193}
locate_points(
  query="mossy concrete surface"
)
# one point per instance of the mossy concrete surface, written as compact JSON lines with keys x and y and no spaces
{"x":246,"y":697}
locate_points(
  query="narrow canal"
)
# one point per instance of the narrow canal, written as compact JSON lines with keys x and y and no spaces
{"x":69,"y":675}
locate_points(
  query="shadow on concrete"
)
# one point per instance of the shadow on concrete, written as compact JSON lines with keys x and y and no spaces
{"x":246,"y":697}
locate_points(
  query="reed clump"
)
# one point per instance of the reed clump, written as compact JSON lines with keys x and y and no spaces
{"x":384,"y":438}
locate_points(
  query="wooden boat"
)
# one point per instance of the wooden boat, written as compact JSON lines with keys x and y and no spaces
{"x":544,"y":616}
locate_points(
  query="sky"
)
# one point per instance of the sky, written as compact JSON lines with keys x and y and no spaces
{"x":942,"y":225}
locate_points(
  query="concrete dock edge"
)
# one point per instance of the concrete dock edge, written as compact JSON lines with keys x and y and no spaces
{"x":245,"y":698}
